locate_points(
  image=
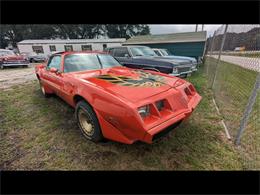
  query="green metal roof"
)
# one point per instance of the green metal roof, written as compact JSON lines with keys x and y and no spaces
{"x":168,"y":38}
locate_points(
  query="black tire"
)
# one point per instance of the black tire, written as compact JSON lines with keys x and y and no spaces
{"x":31,"y":60}
{"x":83,"y":109}
{"x":184,"y":76}
{"x":1,"y":67}
{"x":47,"y":95}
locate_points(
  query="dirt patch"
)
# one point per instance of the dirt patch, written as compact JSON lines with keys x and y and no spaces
{"x":12,"y":76}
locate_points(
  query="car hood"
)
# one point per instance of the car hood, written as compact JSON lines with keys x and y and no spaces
{"x":181,"y":58}
{"x":154,"y":60}
{"x":180,"y":61}
{"x":13,"y":57}
{"x":131,"y":84}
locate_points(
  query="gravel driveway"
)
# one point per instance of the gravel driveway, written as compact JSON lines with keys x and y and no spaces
{"x":249,"y":63}
{"x":15,"y":75}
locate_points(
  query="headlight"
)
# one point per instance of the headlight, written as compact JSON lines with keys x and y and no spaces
{"x":160,"y":105}
{"x":144,"y":111}
{"x":175,"y":70}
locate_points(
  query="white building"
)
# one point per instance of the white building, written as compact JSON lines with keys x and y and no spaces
{"x":49,"y":46}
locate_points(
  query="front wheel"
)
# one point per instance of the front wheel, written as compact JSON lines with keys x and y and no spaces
{"x":88,"y":122}
{"x":1,"y":66}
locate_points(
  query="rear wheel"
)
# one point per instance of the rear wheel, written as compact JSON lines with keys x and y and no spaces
{"x":88,"y":122}
{"x":1,"y":66}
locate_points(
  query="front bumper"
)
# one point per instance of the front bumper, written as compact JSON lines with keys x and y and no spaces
{"x":173,"y":122}
{"x":181,"y":73}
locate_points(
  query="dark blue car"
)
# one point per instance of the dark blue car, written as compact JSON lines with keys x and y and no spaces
{"x":143,"y":57}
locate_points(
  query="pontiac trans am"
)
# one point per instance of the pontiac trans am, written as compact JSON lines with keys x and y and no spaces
{"x":115,"y":102}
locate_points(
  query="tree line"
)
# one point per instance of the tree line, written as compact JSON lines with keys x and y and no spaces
{"x":12,"y":34}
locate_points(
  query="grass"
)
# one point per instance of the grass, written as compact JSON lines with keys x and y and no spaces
{"x":41,"y":134}
{"x":232,"y":89}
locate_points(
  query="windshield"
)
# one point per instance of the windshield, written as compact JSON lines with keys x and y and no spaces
{"x":142,"y":51}
{"x":82,"y":62}
{"x":6,"y":53}
{"x":108,"y":61}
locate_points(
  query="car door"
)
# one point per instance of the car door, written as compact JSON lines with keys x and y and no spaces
{"x":54,"y":79}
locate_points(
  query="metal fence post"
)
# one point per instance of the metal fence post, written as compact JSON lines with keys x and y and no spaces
{"x":219,"y":54}
{"x":248,"y":110}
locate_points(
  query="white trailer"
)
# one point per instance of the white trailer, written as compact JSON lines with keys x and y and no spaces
{"x":50,"y":46}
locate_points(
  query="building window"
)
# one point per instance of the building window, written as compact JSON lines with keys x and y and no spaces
{"x":37,"y":49}
{"x":104,"y":47}
{"x":68,"y":47}
{"x":86,"y":47}
{"x":52,"y":48}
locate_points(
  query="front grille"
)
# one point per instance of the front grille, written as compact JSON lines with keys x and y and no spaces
{"x":183,"y":69}
{"x":166,"y":131}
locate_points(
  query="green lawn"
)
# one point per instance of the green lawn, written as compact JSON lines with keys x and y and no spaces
{"x":41,"y":134}
{"x":232,"y":89}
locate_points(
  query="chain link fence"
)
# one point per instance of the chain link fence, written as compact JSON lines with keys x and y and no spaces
{"x":232,"y":66}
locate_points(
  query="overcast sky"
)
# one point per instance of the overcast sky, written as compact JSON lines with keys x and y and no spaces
{"x":172,"y":28}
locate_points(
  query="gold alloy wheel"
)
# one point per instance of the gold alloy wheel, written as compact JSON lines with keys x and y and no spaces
{"x":85,"y":123}
{"x":43,"y":90}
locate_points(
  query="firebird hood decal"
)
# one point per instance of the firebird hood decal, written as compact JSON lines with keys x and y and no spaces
{"x":145,"y":79}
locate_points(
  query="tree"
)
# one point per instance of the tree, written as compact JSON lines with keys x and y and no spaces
{"x":42,"y":31}
{"x":79,"y":31}
{"x":126,"y":30}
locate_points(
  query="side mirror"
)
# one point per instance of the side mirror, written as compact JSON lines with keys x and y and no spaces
{"x":53,"y":70}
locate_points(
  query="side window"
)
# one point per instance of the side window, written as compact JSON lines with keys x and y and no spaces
{"x":52,"y":48}
{"x":86,"y":47}
{"x":68,"y":47}
{"x":157,"y":52}
{"x":37,"y":49}
{"x":54,"y":62}
{"x":121,"y":52}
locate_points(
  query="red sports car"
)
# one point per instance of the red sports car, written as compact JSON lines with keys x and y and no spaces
{"x":115,"y":102}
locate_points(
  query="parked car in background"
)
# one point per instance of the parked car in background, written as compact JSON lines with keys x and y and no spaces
{"x":143,"y":57}
{"x":9,"y":58}
{"x":115,"y":102}
{"x":164,"y":53}
{"x":34,"y":57}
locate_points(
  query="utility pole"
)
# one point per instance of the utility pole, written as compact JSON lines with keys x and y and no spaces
{"x":202,"y":28}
